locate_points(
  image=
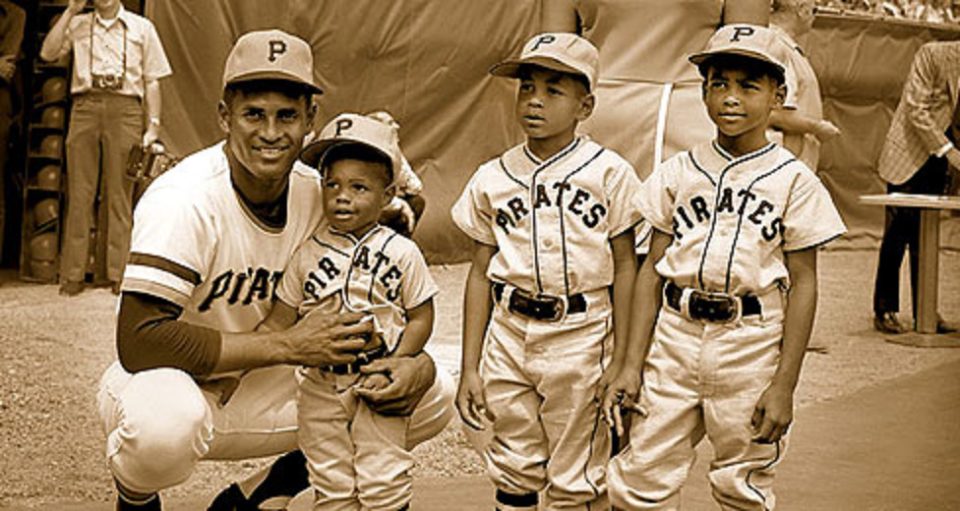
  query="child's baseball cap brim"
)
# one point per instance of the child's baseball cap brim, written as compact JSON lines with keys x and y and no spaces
{"x":751,"y":41}
{"x":351,"y":128}
{"x":564,"y":52}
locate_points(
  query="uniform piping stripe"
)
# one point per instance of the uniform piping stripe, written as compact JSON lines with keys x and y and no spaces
{"x":345,"y":292}
{"x":563,"y":230}
{"x":531,"y":156}
{"x":373,"y":277}
{"x":754,"y":489}
{"x":533,"y":220}
{"x":513,"y":178}
{"x":161,"y":263}
{"x":328,"y":246}
{"x":817,"y":244}
{"x":716,"y":203}
{"x":736,"y":236}
{"x":697,"y":166}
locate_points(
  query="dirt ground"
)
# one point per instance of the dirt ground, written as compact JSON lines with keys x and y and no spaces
{"x":53,"y":350}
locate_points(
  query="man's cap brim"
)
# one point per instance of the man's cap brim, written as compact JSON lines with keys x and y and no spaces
{"x":274,"y":75}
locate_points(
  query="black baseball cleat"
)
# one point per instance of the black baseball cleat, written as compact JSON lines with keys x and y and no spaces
{"x":231,"y":499}
{"x":286,"y":478}
{"x":152,"y":504}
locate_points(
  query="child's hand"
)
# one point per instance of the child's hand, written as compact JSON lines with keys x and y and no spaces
{"x":826,"y":130}
{"x":773,"y":414}
{"x":471,"y":401}
{"x":375,"y":381}
{"x":621,"y":394}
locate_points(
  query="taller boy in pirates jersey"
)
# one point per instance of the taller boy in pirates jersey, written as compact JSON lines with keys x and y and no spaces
{"x":357,"y":458}
{"x":733,"y":259}
{"x":552,"y":221}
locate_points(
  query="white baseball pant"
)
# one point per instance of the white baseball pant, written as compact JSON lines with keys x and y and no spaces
{"x":357,"y":458}
{"x":702,"y":378}
{"x":540,"y":380}
{"x":159,"y":423}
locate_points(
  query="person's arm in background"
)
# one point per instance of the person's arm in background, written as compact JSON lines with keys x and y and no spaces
{"x":151,"y":104}
{"x":755,"y":12}
{"x":559,"y":16}
{"x":11,"y":40}
{"x":55,"y":44}
{"x":922,"y":98}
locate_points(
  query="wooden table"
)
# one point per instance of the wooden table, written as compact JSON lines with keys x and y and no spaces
{"x":925,"y":334}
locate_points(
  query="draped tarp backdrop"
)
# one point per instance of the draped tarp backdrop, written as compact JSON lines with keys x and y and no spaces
{"x":426,"y":62}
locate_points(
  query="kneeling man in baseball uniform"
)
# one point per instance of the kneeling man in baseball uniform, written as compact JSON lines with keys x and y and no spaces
{"x":211,"y":239}
{"x":724,"y":304}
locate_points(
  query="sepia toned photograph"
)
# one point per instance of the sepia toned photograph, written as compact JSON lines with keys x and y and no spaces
{"x":465,"y":255}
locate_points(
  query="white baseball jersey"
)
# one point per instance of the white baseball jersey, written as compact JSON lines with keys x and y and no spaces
{"x":551,"y":220}
{"x":382,"y":272}
{"x":196,"y":245}
{"x":732,"y":218}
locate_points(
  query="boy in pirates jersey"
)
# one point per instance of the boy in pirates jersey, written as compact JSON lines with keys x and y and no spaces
{"x":355,"y":456}
{"x":724,"y":305}
{"x":552,"y":220}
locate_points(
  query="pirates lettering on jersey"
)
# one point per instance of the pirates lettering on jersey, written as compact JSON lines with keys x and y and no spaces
{"x":561,"y":194}
{"x":368,"y":263}
{"x":242,"y":287}
{"x":758,"y":211}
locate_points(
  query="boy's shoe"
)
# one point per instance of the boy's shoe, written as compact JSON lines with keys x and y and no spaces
{"x":151,"y":505}
{"x":71,"y":288}
{"x":888,"y":323}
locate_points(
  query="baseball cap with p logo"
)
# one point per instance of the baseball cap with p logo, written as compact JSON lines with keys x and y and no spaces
{"x":358,"y":129}
{"x":753,"y":41}
{"x":270,"y":55}
{"x":559,"y":51}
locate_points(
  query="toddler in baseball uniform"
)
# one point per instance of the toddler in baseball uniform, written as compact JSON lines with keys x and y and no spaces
{"x":356,"y":458}
{"x":725,"y":302}
{"x":548,"y":290}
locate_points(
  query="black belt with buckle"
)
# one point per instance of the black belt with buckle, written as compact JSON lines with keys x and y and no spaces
{"x":363,"y":358}
{"x":543,"y":307}
{"x":708,"y":306}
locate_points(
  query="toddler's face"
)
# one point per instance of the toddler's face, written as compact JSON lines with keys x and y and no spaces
{"x":354,"y":192}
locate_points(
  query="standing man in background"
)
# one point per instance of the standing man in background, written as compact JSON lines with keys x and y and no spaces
{"x":916,"y":156}
{"x":117,"y":62}
{"x":12,"y":21}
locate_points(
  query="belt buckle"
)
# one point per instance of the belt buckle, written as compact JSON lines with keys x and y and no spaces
{"x":714,"y":307}
{"x":557,"y":307}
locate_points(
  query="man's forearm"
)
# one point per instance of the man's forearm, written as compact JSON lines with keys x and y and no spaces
{"x":53,"y":43}
{"x":151,"y":100}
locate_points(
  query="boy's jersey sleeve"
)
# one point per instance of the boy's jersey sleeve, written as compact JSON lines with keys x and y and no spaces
{"x":418,"y":284}
{"x":472,"y":212}
{"x":172,"y":242}
{"x":658,"y":194}
{"x":810,"y":217}
{"x":622,"y":192}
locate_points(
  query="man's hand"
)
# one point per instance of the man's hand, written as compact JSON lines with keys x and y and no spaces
{"x":410,"y":378}
{"x":8,"y":66}
{"x":825,"y":130}
{"x":150,"y":135}
{"x":321,"y":339}
{"x":773,"y":414}
{"x":471,"y":401}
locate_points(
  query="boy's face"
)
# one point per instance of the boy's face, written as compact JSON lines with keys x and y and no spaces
{"x":739,"y":103}
{"x":265,"y":132}
{"x":354,"y":192}
{"x":550,"y":103}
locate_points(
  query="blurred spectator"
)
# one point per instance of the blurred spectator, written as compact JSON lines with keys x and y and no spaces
{"x":12,"y":20}
{"x":118,"y":60}
{"x":927,"y":11}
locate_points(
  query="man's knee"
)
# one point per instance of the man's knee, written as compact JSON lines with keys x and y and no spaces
{"x":434,"y":411}
{"x":163,"y":427}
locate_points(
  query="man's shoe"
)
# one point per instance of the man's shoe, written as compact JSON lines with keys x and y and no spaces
{"x":888,"y":323}
{"x":945,"y":327}
{"x":71,"y":288}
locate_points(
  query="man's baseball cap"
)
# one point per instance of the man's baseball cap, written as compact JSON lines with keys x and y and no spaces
{"x":352,"y":128}
{"x":270,"y":55}
{"x":559,"y":51}
{"x":753,"y":41}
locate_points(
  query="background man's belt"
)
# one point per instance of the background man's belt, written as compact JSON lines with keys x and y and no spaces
{"x":711,"y":306}
{"x":542,"y":307}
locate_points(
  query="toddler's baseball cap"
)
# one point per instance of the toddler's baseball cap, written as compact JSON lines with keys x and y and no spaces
{"x":559,"y":51}
{"x":358,"y":129}
{"x":270,"y":54}
{"x":753,"y":41}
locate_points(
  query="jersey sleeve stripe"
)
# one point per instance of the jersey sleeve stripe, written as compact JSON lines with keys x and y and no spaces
{"x":160,"y":263}
{"x":135,"y":284}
